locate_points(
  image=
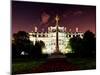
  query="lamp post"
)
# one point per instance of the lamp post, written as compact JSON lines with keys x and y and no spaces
{"x":57,"y":39}
{"x":57,"y":53}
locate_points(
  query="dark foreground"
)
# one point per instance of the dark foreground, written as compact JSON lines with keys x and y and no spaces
{"x":53,"y":65}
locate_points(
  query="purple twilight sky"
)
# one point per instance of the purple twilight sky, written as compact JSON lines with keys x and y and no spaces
{"x":27,"y":15}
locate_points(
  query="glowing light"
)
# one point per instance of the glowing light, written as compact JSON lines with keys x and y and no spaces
{"x":50,"y":40}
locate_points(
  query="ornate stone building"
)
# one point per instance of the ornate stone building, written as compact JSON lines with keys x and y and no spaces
{"x":50,"y":40}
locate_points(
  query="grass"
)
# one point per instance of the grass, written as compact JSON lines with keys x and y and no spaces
{"x":84,"y":63}
{"x":25,"y":67}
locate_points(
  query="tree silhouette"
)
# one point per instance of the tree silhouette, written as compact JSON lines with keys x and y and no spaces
{"x":76,"y":45}
{"x":21,"y":43}
{"x":39,"y":45}
{"x":89,"y":43}
{"x":85,"y":47}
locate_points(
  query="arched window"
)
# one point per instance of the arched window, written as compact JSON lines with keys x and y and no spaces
{"x":69,"y":35}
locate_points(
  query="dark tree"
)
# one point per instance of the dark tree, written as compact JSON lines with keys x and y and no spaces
{"x":76,"y":45}
{"x":21,"y":43}
{"x":14,"y":51}
{"x":89,"y":44}
{"x":39,"y":45}
{"x":85,"y":47}
{"x":21,"y":35}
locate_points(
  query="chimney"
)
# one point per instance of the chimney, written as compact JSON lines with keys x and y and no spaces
{"x":70,"y":30}
{"x":42,"y":29}
{"x":35,"y":29}
{"x":65,"y":29}
{"x":76,"y":29}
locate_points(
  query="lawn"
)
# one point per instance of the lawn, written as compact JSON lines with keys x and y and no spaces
{"x":84,"y":63}
{"x":25,"y":67}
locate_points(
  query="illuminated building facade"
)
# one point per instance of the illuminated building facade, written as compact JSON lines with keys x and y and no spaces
{"x":50,"y":40}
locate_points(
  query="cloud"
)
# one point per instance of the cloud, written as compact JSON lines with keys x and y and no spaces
{"x":72,"y":13}
{"x":77,"y":13}
{"x":44,"y":18}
